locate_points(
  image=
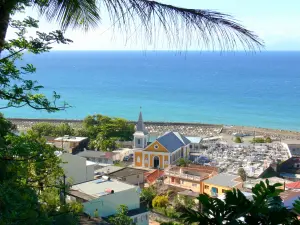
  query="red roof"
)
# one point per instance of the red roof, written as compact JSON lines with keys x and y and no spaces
{"x":294,"y":185}
{"x":152,"y":177}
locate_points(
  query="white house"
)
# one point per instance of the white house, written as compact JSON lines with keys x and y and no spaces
{"x":76,"y":168}
{"x":106,"y":195}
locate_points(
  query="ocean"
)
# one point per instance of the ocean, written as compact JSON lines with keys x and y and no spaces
{"x":253,"y":89}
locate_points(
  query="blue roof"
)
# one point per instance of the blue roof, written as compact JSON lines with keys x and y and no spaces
{"x":173,"y":141}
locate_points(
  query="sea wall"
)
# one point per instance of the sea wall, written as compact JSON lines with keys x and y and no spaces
{"x":188,"y":129}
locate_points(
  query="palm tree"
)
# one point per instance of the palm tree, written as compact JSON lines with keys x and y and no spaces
{"x":179,"y":24}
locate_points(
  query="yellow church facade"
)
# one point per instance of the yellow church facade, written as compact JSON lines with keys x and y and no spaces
{"x":164,"y":151}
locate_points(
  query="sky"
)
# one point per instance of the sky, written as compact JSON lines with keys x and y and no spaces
{"x":277,"y":23}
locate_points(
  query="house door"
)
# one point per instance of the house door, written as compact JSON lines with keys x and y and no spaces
{"x":156,"y":161}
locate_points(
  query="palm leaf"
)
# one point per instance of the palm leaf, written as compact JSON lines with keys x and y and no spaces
{"x":181,"y":25}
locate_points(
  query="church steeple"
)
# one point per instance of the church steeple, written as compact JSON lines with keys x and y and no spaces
{"x":140,"y":126}
{"x":141,"y":136}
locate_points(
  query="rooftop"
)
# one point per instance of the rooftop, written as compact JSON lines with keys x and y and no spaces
{"x":99,"y":187}
{"x":127,"y":171}
{"x":70,"y":139}
{"x":173,"y":141}
{"x":223,"y":179}
{"x":91,"y":153}
{"x":189,"y":193}
{"x":108,"y":169}
{"x":289,"y":196}
{"x":194,"y":140}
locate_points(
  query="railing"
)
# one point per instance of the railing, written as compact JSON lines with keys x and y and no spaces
{"x":182,"y":175}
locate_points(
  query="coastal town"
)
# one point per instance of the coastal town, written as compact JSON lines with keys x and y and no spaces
{"x":179,"y":162}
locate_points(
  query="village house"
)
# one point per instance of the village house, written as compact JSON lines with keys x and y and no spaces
{"x":76,"y":168}
{"x":98,"y":157}
{"x":71,"y":144}
{"x":105,"y":195}
{"x":219,"y":184}
{"x":191,"y":177}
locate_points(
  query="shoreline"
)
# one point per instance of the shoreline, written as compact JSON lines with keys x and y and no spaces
{"x":188,"y":129}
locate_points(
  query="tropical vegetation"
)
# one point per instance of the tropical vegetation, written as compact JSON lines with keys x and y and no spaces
{"x":265,"y":208}
{"x":121,"y":217}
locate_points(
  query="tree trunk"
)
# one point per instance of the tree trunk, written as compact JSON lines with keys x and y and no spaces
{"x":4,"y":21}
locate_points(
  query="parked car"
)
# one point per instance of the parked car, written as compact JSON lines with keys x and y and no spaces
{"x":126,"y":158}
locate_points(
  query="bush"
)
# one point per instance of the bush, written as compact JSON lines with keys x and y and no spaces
{"x":258,"y":140}
{"x":238,"y":140}
{"x":268,"y":140}
{"x":160,"y":201}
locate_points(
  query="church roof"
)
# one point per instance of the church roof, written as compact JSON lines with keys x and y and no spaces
{"x":173,"y":141}
{"x":140,"y":126}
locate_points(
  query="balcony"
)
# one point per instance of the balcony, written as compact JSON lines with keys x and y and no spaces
{"x":182,"y":175}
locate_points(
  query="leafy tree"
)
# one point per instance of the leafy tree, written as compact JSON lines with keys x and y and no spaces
{"x":104,"y":131}
{"x":15,"y":90}
{"x":48,"y":129}
{"x":147,"y":195}
{"x":160,"y":201}
{"x":238,"y":140}
{"x":121,"y":217}
{"x":183,"y":162}
{"x":265,"y":208}
{"x":242,"y":174}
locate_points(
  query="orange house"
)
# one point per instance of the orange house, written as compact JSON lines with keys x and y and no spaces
{"x":164,"y":151}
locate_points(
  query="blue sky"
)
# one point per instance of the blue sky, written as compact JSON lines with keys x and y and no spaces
{"x":276,"y":22}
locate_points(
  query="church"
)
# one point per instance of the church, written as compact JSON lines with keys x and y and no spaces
{"x":162,"y":152}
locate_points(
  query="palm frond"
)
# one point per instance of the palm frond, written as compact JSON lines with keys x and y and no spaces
{"x":70,"y":13}
{"x":180,"y":25}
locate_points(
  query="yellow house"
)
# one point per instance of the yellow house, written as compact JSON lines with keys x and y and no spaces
{"x":219,"y":184}
{"x":164,"y":151}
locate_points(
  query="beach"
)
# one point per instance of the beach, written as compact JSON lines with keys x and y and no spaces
{"x":187,"y":129}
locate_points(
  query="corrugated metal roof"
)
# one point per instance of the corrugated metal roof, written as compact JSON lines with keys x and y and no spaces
{"x":173,"y":141}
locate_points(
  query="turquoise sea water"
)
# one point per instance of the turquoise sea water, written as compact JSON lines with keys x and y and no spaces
{"x":261,"y":89}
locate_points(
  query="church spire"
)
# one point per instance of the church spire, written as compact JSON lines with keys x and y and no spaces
{"x":140,"y":126}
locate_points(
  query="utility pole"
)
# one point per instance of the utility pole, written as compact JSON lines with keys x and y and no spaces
{"x":64,"y":189}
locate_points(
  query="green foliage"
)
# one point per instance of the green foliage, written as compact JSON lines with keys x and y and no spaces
{"x":30,"y":181}
{"x":121,"y":217}
{"x":242,"y":174}
{"x":49,"y":129}
{"x":104,"y":131}
{"x":15,"y":90}
{"x":268,"y":140}
{"x":238,"y":140}
{"x":160,"y":201}
{"x":266,"y":208}
{"x":147,"y":195}
{"x":258,"y":140}
{"x":183,"y":162}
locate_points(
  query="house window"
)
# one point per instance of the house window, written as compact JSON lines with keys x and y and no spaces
{"x":139,"y":141}
{"x":206,"y":187}
{"x":156,"y":146}
{"x":138,"y":159}
{"x":194,"y":185}
{"x":224,"y":191}
{"x":182,"y":182}
{"x":191,"y":146}
{"x":135,"y":220}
